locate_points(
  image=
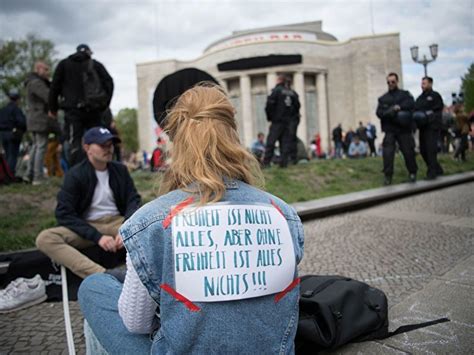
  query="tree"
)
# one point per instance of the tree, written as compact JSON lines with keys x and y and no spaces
{"x":17,"y":58}
{"x":127,"y":125}
{"x":467,"y":87}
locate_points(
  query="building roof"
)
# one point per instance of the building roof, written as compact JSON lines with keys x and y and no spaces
{"x":314,"y":28}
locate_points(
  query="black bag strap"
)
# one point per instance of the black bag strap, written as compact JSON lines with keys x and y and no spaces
{"x":410,"y":327}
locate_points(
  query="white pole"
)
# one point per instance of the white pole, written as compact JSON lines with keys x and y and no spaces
{"x":67,"y":318}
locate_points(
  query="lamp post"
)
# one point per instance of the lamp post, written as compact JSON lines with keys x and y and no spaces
{"x":425,"y":61}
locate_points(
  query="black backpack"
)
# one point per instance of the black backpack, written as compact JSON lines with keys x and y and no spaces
{"x":336,"y":310}
{"x":95,"y":97}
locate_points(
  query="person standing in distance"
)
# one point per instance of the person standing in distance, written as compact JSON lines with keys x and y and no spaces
{"x":68,"y":92}
{"x":294,"y":121}
{"x":394,"y":110}
{"x":37,"y":120}
{"x":371,"y":133}
{"x":12,"y":127}
{"x":429,"y":108}
{"x":282,"y":109}
{"x":337,"y":138}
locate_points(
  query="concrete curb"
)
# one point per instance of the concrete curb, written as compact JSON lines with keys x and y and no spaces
{"x":344,"y":203}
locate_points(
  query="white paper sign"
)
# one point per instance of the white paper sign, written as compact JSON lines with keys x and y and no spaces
{"x":226,"y":252}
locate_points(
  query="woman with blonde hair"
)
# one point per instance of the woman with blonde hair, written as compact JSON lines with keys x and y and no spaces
{"x":211,"y":263}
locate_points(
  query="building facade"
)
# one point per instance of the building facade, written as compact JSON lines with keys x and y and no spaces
{"x":337,"y":82}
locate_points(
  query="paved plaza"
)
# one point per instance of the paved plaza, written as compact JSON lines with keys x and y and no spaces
{"x":419,"y":250}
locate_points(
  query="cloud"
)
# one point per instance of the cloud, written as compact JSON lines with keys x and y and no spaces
{"x":123,"y":33}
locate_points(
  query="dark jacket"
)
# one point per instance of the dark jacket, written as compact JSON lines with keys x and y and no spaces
{"x":77,"y":191}
{"x":337,"y":134}
{"x":386,"y":113}
{"x":362,"y":133}
{"x":431,"y":103}
{"x":37,"y":95}
{"x":12,"y":117}
{"x":282,"y":105}
{"x":68,"y":83}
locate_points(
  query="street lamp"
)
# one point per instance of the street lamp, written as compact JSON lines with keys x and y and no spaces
{"x":425,"y":61}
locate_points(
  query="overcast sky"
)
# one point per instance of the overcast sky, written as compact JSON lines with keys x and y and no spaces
{"x":123,"y":33}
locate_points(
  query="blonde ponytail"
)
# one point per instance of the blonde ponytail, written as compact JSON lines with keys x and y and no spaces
{"x":206,"y":146}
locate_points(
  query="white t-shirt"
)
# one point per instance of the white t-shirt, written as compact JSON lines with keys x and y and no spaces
{"x":103,"y":202}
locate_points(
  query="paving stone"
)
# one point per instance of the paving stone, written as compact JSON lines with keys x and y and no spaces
{"x":465,"y":222}
{"x":438,"y":299}
{"x":456,"y":200}
{"x":424,"y":217}
{"x":462,"y":273}
{"x":367,"y":348}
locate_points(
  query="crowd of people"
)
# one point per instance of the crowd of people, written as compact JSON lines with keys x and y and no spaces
{"x":440,"y":129}
{"x":208,"y":186}
{"x":82,"y":89}
{"x":401,"y":115}
{"x":354,"y":144}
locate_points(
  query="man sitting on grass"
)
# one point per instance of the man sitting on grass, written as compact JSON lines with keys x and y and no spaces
{"x":96,"y":197}
{"x":357,"y":148}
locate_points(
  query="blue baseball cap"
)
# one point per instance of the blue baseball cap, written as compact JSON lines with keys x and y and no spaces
{"x":99,"y":135}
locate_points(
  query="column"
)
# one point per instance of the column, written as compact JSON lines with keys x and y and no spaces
{"x":323,"y":112}
{"x":223,"y":84}
{"x":246,"y":109}
{"x":298,"y":84}
{"x":271,"y":81}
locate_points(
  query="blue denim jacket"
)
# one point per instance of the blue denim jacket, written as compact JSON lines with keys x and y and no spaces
{"x":255,"y":325}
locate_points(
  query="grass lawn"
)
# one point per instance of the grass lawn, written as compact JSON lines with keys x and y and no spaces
{"x":25,"y":209}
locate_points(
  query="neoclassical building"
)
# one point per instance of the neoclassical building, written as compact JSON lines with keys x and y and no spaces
{"x":337,"y":82}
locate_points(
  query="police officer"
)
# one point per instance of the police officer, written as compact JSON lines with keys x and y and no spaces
{"x":428,"y":115}
{"x":282,"y":111}
{"x":394,"y":110}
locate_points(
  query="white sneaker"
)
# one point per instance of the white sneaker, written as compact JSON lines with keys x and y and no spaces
{"x":22,"y":293}
{"x":15,"y":283}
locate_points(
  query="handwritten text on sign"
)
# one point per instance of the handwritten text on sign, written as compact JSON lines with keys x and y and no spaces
{"x":226,"y":252}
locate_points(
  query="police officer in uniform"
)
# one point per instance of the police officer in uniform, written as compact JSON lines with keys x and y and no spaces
{"x":394,"y":110}
{"x":282,"y":111}
{"x":428,"y":115}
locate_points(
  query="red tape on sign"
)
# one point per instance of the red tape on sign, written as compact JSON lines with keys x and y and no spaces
{"x":283,"y":293}
{"x":277,"y":207}
{"x":176,"y":210}
{"x":179,"y":297}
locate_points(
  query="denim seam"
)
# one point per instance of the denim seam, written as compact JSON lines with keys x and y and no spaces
{"x":133,"y":230}
{"x":144,"y":267}
{"x":288,"y":330}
